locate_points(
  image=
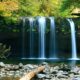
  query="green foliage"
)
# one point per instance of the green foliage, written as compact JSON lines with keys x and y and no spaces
{"x":67,"y":6}
{"x":14,"y":9}
{"x":4,"y":51}
{"x":30,"y":8}
{"x":39,"y":7}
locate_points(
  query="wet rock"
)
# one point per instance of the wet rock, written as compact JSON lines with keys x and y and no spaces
{"x":64,"y":67}
{"x":54,"y":70}
{"x":2,"y":69}
{"x":2,"y":64}
{"x":47,"y":68}
{"x":41,"y":75}
{"x":76,"y":78}
{"x":20,"y":65}
{"x":75,"y":69}
{"x":48,"y":76}
{"x":28,"y":67}
{"x":44,"y":63}
{"x":61,"y":74}
{"x":58,"y":72}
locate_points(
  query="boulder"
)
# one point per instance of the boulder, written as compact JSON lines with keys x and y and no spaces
{"x":2,"y":64}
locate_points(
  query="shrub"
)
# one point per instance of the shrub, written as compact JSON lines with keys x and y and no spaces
{"x":4,"y":51}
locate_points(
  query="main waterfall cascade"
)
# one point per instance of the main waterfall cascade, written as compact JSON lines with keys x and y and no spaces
{"x":73,"y":39}
{"x":42,"y":25}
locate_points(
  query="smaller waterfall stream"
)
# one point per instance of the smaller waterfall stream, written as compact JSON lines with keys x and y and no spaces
{"x":23,"y":38}
{"x":52,"y":39}
{"x":42,"y":26}
{"x":31,"y":23}
{"x":73,"y":39}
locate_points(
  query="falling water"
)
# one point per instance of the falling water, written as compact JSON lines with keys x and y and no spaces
{"x":52,"y":39}
{"x":31,"y":23}
{"x":23,"y":38}
{"x":42,"y":25}
{"x":74,"y":52}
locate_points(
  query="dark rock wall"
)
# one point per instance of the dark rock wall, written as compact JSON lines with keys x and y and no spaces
{"x":63,"y":39}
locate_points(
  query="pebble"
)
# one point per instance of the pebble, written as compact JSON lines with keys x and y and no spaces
{"x":58,"y":72}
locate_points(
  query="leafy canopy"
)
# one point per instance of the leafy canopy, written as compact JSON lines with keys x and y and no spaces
{"x":17,"y":8}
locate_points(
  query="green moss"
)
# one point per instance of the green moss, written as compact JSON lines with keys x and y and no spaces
{"x":10,"y":78}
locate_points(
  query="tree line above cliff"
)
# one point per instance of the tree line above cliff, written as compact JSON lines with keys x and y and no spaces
{"x":57,"y":8}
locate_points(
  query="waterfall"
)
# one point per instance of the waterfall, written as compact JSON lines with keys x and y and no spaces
{"x":42,"y":32}
{"x":23,"y":38}
{"x":42,"y":25}
{"x":31,"y":23}
{"x":52,"y":39}
{"x":73,"y":39}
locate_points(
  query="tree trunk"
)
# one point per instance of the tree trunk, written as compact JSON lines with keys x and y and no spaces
{"x":31,"y":74}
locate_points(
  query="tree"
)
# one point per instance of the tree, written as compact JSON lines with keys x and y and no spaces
{"x":7,"y":7}
{"x":67,"y":6}
{"x":17,"y":8}
{"x":39,"y":7}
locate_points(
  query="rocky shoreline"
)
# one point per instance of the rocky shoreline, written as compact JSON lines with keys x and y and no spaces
{"x":51,"y":72}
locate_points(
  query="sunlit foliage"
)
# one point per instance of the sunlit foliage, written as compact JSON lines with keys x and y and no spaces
{"x":7,"y":7}
{"x":67,"y":6}
{"x":18,"y":8}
